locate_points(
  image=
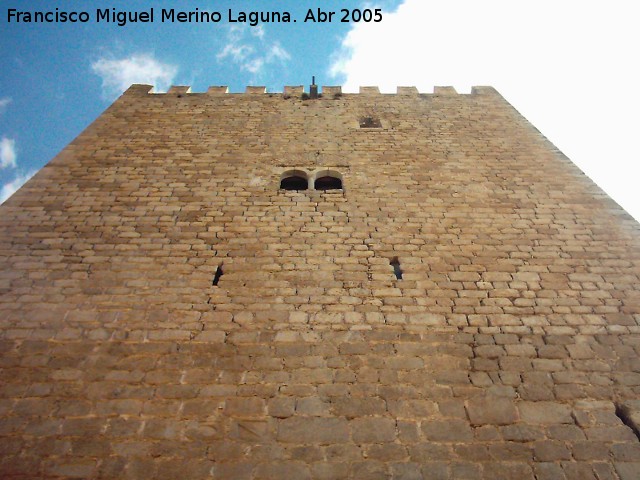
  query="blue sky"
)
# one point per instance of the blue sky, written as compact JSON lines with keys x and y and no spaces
{"x":568,"y":66}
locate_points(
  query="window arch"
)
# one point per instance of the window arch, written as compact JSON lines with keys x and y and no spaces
{"x":327,"y":180}
{"x":294,"y":180}
{"x":327,"y":183}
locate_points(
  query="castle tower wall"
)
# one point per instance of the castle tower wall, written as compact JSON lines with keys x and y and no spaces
{"x":168,"y":310}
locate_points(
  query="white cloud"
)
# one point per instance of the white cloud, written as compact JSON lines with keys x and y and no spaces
{"x":118,"y":74}
{"x":258,"y":31}
{"x":10,"y":188}
{"x":3,"y":103}
{"x":254,"y":65}
{"x":249,"y":53}
{"x":276,"y":52}
{"x":237,"y":52}
{"x":7,"y":153}
{"x":564,"y":65}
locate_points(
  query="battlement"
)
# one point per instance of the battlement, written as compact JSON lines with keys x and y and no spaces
{"x":370,"y":285}
{"x":299,"y":90}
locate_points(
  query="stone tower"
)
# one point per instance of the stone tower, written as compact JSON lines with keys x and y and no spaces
{"x":271,"y":286}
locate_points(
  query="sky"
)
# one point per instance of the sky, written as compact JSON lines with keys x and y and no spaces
{"x":570,"y":67}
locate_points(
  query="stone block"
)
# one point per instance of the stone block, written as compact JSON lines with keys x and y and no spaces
{"x":245,"y":407}
{"x":330,"y":470}
{"x":285,"y":469}
{"x":522,"y":433}
{"x":544,"y":413}
{"x":313,"y":430}
{"x":373,"y":430}
{"x":352,"y":407}
{"x":491,"y":411}
{"x":551,"y":451}
{"x":627,"y":470}
{"x":447,"y":430}
{"x":548,"y":471}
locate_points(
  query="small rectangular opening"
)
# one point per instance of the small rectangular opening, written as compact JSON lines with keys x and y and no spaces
{"x":395,"y":263}
{"x":370,"y":122}
{"x":217,"y":275}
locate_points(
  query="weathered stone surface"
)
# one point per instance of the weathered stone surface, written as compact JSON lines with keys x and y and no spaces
{"x":522,"y":433}
{"x":491,"y":410}
{"x":330,"y":470}
{"x":508,"y":470}
{"x":629,"y":411}
{"x":551,"y":451}
{"x":351,"y":407}
{"x":508,"y":349}
{"x":627,"y":470}
{"x":313,"y":430}
{"x":283,"y":470}
{"x":373,"y":430}
{"x":548,"y":471}
{"x":447,"y":430}
{"x":545,"y":412}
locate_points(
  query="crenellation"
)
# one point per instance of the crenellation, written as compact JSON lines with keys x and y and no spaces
{"x":265,"y":285}
{"x":448,"y":91}
{"x":179,"y":90}
{"x":480,"y":90}
{"x":369,"y":91}
{"x":139,"y":89}
{"x":294,"y":90}
{"x":328,"y":91}
{"x":218,"y":90}
{"x":407,"y":91}
{"x":332,"y":91}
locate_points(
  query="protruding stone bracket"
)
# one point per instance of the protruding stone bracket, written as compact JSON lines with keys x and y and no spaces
{"x":179,"y":90}
{"x":369,"y":91}
{"x":218,"y":90}
{"x":296,"y":90}
{"x":256,"y":90}
{"x":407,"y":91}
{"x":445,"y":91}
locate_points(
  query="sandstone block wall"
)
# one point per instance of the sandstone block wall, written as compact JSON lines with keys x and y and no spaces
{"x":509,"y":348}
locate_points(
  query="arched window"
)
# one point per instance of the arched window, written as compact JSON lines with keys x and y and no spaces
{"x":327,"y":183}
{"x":327,"y":180}
{"x":294,"y":180}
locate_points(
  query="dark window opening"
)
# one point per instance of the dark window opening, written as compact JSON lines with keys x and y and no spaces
{"x":294,"y":183}
{"x":395,"y":263}
{"x":370,"y":122}
{"x":327,"y":183}
{"x":217,"y":275}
